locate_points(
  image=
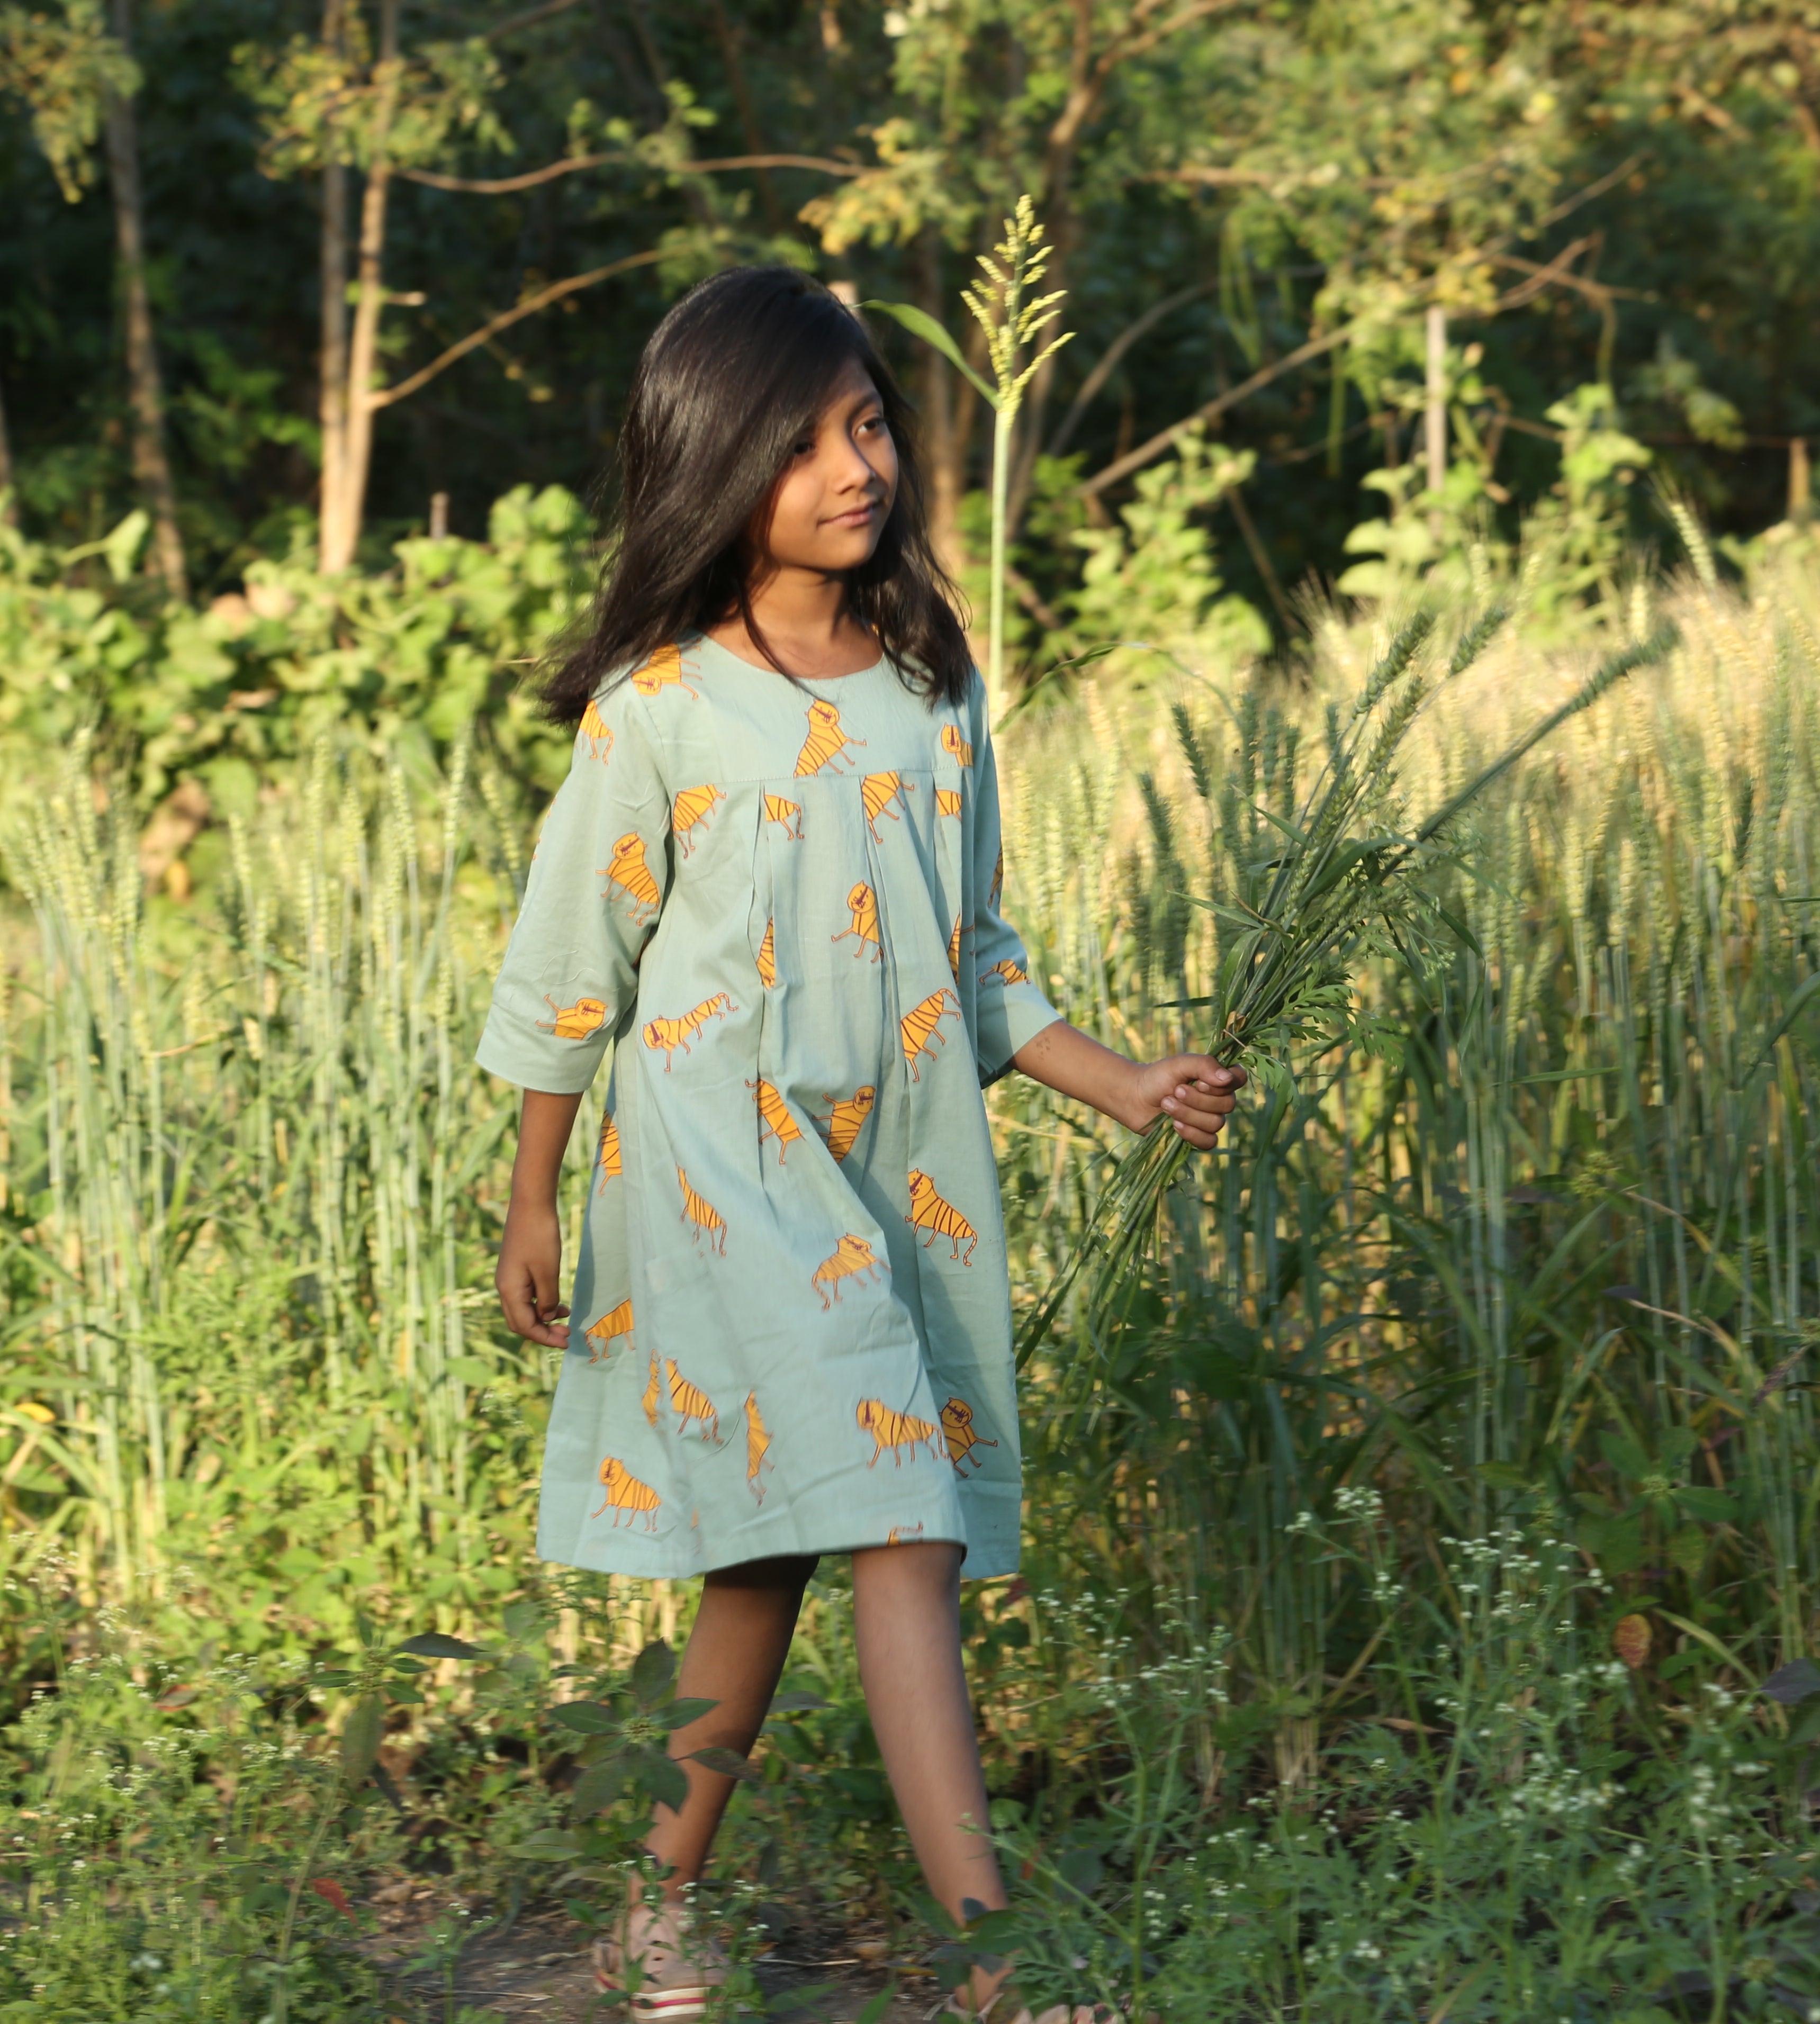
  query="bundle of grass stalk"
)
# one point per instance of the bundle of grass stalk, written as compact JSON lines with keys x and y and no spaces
{"x":1344,"y":881}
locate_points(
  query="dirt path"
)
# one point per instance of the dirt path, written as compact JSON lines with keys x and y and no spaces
{"x":540,"y":1969}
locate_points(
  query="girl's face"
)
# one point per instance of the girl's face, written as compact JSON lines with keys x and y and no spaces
{"x":831,"y":502}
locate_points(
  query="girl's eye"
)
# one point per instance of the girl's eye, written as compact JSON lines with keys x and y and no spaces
{"x":804,"y":448}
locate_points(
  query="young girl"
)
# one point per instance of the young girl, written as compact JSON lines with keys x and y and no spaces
{"x":771,"y":884}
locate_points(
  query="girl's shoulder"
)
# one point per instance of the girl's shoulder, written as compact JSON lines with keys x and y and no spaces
{"x":625,"y":696}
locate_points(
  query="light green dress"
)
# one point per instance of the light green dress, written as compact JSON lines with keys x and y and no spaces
{"x":778,"y":903}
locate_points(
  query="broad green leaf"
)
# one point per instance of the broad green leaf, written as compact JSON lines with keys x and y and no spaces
{"x":920,"y":323}
{"x":360,"y":1739}
{"x":652,"y":1671}
{"x":661,"y":1776}
{"x":1625,"y":1456}
{"x":1793,"y":1682}
{"x":588,"y":1717}
{"x":522,"y":1620}
{"x":678,"y":1714}
{"x":599,"y":1786}
{"x":798,"y":1702}
{"x":729,"y":1763}
{"x":435,"y":1644}
{"x":1713,"y":1506}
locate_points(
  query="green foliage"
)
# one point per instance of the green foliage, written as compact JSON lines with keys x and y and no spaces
{"x":232,"y":692}
{"x":1154,"y":577}
{"x":64,"y":65}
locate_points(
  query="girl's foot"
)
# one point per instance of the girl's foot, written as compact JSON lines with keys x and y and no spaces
{"x":678,"y":1968}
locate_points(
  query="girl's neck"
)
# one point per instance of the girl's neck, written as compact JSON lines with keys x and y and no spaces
{"x":805,"y":621}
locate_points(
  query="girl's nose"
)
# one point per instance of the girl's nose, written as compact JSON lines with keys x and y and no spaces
{"x":855,"y":470}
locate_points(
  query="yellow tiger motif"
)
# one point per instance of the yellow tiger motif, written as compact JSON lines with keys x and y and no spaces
{"x":612,"y":1168}
{"x":845,"y":1120}
{"x":689,"y":1402}
{"x":904,"y":1535}
{"x":957,"y":1431}
{"x":895,"y":1431}
{"x":929,"y":1211}
{"x":851,"y":1254}
{"x":775,"y":1117}
{"x":691,"y":808}
{"x":608,"y":1329}
{"x":920,"y":1027}
{"x":576,"y":1021}
{"x":629,"y":872}
{"x":670,"y":1034}
{"x":826,"y":743}
{"x":757,"y":1447}
{"x":998,"y":881}
{"x":948,"y":800}
{"x":877,"y":792}
{"x":1007,"y":971}
{"x":663,"y":670}
{"x":594,"y":728}
{"x":789,"y":813}
{"x":625,"y":1494}
{"x":863,"y":904}
{"x":952,"y":742}
{"x":954,"y":949}
{"x":704,"y":1215}
{"x":653,"y":1391}
{"x":767,"y":958}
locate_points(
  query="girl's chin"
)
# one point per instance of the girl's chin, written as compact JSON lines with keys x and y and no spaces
{"x":838,"y":549}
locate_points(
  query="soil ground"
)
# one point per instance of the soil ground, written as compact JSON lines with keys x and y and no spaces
{"x":540,"y":1969}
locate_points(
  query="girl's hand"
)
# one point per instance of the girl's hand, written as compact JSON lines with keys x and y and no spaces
{"x":1195,"y":1091}
{"x":530,"y":1274}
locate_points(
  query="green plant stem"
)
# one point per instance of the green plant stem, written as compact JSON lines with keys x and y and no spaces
{"x":1002,"y":420}
{"x":281,"y":1992}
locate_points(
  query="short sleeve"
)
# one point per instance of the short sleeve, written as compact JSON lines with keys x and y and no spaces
{"x":569,"y":980}
{"x":1009,"y":1009}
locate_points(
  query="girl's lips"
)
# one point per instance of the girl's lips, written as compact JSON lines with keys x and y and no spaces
{"x":861,"y":516}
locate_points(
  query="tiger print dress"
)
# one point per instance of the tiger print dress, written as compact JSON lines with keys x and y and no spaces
{"x":775,"y":906}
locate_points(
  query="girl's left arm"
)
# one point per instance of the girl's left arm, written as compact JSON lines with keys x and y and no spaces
{"x":1195,"y":1092}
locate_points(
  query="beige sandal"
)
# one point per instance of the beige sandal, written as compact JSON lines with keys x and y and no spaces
{"x":678,"y":1969}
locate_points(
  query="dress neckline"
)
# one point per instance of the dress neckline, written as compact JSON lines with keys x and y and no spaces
{"x":752,"y":667}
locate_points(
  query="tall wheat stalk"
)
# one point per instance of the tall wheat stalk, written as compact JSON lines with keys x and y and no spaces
{"x":1005,"y":303}
{"x":1341,"y":882}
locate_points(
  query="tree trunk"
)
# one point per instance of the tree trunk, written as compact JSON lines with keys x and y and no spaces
{"x":8,"y":505}
{"x":1434,"y":414}
{"x":341,"y":524}
{"x":727,"y":32}
{"x":151,"y":460}
{"x":333,"y":363}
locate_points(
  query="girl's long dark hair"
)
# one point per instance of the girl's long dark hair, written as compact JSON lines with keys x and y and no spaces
{"x":725,"y":389}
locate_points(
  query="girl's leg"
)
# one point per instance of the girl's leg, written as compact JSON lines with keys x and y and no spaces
{"x":907,"y":1624}
{"x":734,"y":1657}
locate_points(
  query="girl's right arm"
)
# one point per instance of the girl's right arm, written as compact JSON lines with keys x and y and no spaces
{"x":569,"y":983}
{"x":529,"y":1277}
